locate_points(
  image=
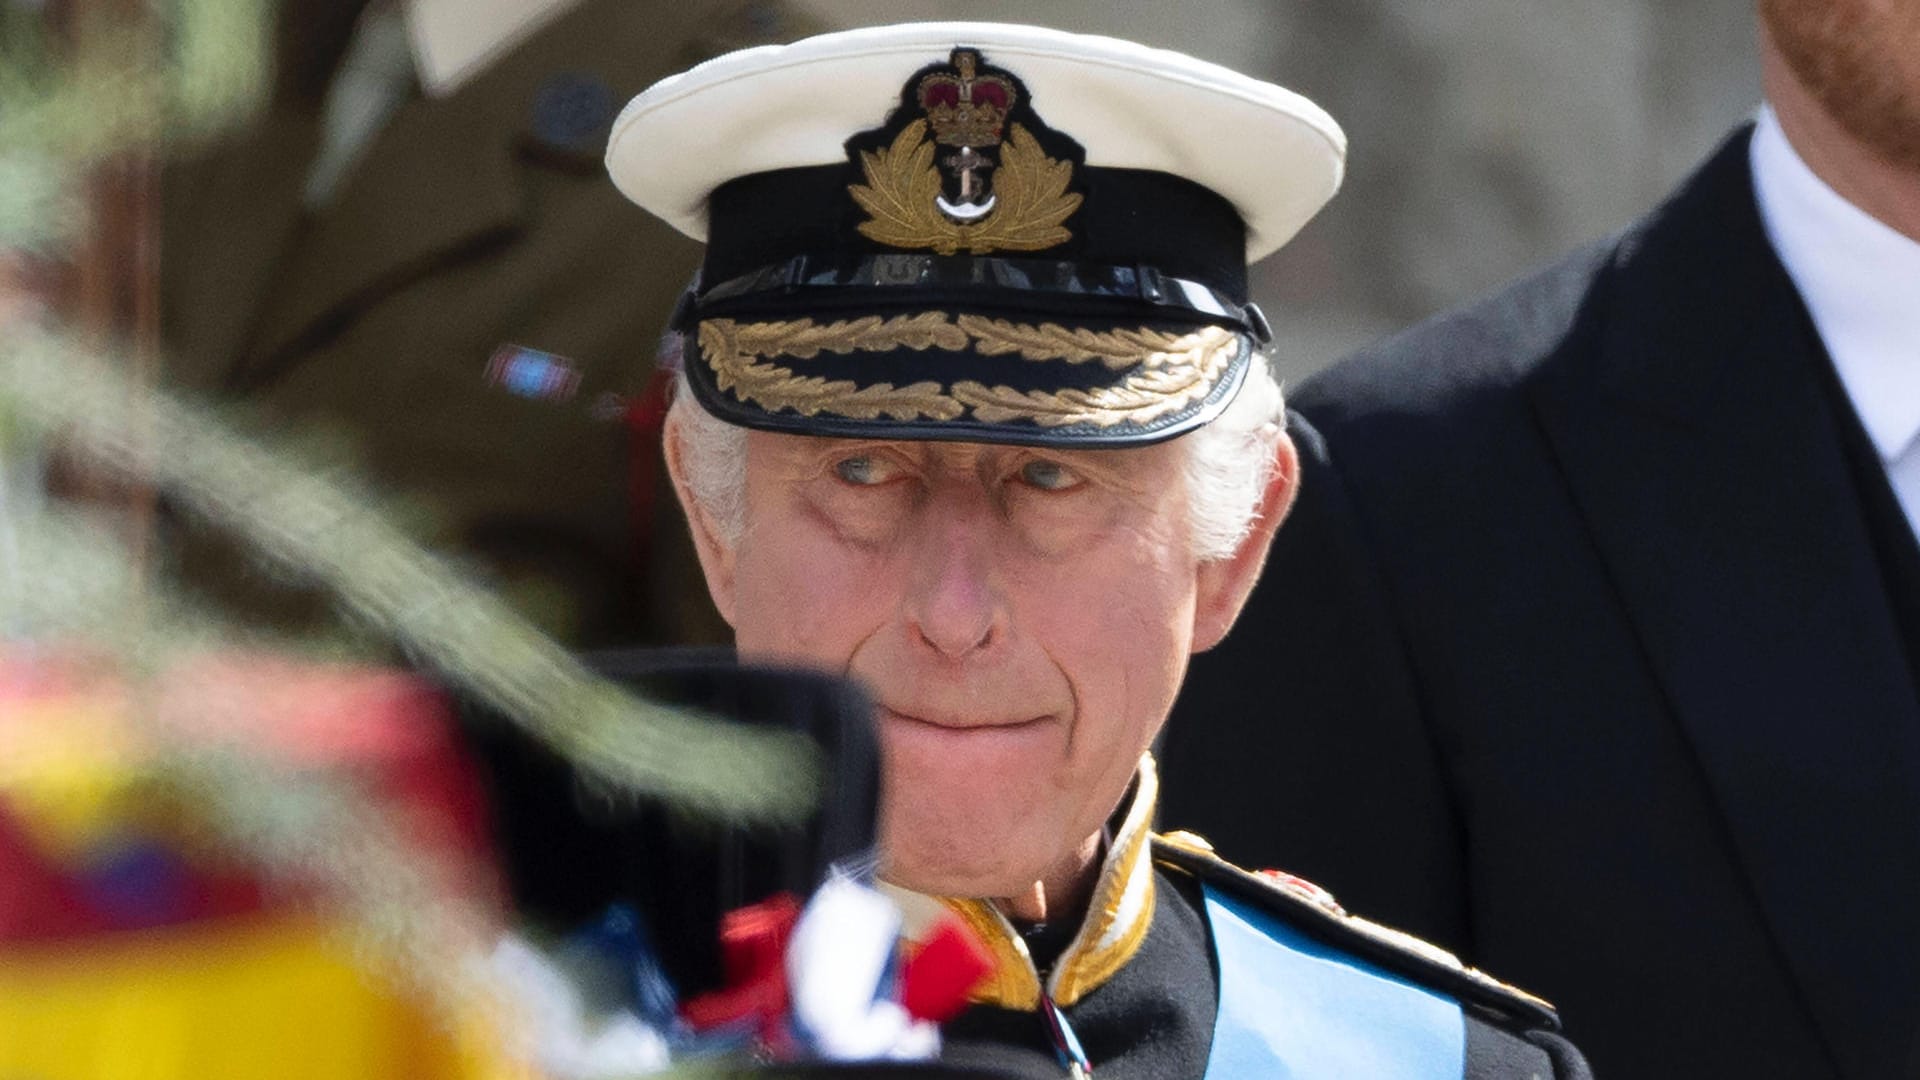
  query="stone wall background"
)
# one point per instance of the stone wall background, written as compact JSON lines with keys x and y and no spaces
{"x":1485,"y":135}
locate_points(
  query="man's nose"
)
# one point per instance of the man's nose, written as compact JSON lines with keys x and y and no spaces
{"x":957,"y":607}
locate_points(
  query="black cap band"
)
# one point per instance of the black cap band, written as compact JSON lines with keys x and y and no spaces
{"x":1131,"y":220}
{"x":817,"y":282}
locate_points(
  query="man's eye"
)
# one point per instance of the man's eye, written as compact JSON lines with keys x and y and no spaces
{"x":865,"y":470}
{"x":1049,"y":476}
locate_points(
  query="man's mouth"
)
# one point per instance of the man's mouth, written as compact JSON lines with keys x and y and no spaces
{"x":960,"y":723}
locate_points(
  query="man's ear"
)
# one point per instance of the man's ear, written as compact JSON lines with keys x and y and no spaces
{"x":1225,"y":584}
{"x":710,"y":541}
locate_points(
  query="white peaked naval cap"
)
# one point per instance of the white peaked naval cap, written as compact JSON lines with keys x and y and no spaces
{"x":1276,"y":156}
{"x":972,"y":231}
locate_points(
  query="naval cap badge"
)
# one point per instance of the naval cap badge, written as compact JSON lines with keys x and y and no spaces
{"x":960,"y":174}
{"x":968,"y":111}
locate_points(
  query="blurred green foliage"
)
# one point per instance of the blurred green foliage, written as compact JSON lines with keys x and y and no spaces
{"x":112,"y":86}
{"x":137,"y":86}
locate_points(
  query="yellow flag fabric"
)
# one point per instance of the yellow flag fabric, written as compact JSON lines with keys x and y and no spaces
{"x":229,"y":999}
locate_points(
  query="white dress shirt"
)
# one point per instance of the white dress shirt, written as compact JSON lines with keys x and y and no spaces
{"x":1861,"y":281}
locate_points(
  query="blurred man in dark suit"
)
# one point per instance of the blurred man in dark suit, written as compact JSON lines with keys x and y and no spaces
{"x":1592,"y":648}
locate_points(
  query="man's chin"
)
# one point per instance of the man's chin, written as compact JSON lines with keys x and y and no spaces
{"x":972,"y":862}
{"x":984,"y":884}
{"x":1855,"y":60}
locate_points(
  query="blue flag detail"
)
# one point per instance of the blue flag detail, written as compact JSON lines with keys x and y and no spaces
{"x":1292,"y":1008}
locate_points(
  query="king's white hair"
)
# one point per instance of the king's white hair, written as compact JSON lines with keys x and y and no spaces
{"x":1229,"y":461}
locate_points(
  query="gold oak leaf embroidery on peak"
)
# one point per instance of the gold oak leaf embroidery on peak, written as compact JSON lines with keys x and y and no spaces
{"x":902,"y":186}
{"x":1116,"y":349}
{"x":733,"y":349}
{"x":1181,"y":370}
{"x":1174,"y":370}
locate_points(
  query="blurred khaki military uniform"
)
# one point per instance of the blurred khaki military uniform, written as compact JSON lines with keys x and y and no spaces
{"x":474,"y":218}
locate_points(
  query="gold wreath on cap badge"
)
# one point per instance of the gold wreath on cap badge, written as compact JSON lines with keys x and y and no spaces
{"x":1016,"y":204}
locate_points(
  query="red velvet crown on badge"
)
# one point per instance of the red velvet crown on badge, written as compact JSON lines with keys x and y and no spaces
{"x":965,"y":108}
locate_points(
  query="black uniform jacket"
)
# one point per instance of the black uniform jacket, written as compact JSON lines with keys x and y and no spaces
{"x":1580,"y":656}
{"x":1155,"y":1018}
{"x":1167,"y":976}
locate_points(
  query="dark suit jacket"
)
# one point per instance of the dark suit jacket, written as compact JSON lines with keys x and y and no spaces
{"x":1575,"y":657}
{"x":477,"y":220}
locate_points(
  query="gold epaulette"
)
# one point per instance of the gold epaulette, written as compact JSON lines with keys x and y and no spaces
{"x":1314,"y":911}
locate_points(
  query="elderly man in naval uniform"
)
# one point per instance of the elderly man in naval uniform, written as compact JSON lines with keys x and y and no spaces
{"x":973,"y":409}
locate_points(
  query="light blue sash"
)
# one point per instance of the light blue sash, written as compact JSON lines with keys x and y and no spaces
{"x":1294,"y":1009}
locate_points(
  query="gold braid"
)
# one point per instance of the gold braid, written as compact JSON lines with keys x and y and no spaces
{"x":1173,"y":370}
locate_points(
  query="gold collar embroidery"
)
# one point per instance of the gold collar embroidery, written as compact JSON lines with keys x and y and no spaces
{"x":1116,"y":922}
